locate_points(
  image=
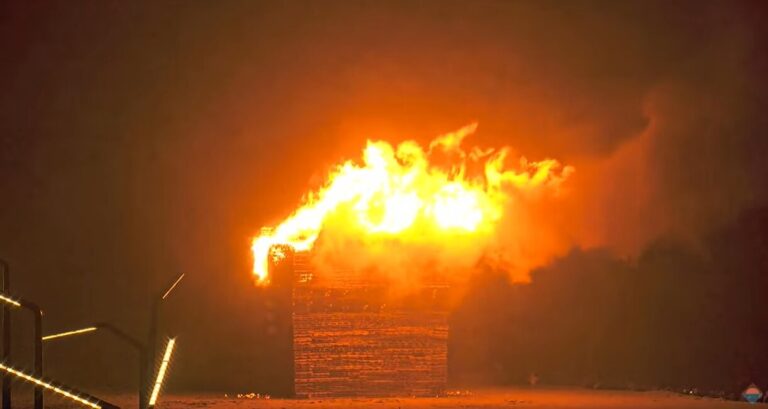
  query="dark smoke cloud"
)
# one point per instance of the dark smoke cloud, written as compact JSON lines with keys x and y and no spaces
{"x":695,"y":163}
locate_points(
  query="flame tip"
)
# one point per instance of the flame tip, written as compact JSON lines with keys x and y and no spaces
{"x":396,"y":190}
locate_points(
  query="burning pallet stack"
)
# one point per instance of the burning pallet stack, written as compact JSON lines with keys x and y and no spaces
{"x":351,"y":337}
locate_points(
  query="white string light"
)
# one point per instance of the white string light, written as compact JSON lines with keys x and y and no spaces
{"x":175,"y":283}
{"x":161,"y":372}
{"x":50,"y":387}
{"x":68,"y":333}
{"x":9,"y":300}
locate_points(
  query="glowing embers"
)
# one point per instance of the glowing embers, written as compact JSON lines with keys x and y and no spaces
{"x":51,"y":387}
{"x":69,"y":333}
{"x":161,"y":371}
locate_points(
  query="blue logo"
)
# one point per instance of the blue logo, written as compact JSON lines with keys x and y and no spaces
{"x":752,"y":394}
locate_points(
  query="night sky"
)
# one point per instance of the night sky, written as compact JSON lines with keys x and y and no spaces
{"x":138,"y":141}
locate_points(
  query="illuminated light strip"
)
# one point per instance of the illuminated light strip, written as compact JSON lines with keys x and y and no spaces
{"x":50,"y":387}
{"x":68,"y":333}
{"x":9,"y":300}
{"x":175,"y":283}
{"x":161,"y":371}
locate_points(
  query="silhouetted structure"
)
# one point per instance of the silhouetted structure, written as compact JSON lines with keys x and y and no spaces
{"x":352,"y":337}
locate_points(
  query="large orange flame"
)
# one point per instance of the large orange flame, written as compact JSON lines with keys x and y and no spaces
{"x":401,"y":192}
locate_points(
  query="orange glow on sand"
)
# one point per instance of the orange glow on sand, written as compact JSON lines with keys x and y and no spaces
{"x":402,"y":192}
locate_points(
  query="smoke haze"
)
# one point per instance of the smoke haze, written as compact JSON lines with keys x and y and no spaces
{"x":141,"y":141}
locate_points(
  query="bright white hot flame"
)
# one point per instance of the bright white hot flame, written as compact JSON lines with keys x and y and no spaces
{"x":407,"y":193}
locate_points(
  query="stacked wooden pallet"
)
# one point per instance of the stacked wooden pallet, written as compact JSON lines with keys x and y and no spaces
{"x":353,"y":340}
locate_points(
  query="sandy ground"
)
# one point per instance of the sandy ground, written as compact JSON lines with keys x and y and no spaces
{"x":507,"y":398}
